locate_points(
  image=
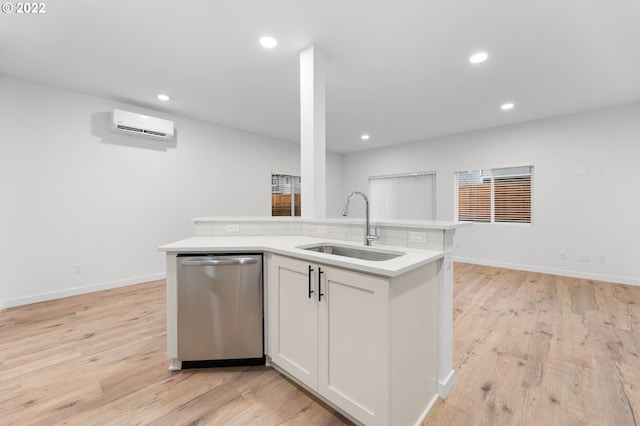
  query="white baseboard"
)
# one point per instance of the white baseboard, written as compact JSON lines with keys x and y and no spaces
{"x":58,"y":294}
{"x":552,"y":271}
{"x":445,"y":386}
{"x":426,"y":411}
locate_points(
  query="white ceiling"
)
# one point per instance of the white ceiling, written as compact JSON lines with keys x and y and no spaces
{"x":396,"y":69}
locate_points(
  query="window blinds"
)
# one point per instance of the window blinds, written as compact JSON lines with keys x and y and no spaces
{"x":403,"y":197}
{"x":512,"y":194}
{"x":474,"y":196}
{"x":496,"y":195}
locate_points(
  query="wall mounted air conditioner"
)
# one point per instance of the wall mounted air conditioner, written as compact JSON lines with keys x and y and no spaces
{"x":132,"y":123}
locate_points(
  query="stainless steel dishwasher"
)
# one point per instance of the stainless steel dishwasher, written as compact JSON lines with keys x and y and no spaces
{"x":220,"y":318}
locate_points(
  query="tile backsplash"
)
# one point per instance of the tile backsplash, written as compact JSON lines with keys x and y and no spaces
{"x":246,"y":228}
{"x":398,"y":236}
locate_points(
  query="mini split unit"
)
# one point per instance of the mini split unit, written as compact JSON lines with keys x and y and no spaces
{"x":131,"y":123}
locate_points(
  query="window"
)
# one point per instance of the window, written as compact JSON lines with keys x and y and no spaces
{"x":285,"y":195}
{"x":495,"y":195}
{"x":408,"y":196}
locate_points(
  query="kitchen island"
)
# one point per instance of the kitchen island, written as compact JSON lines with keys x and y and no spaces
{"x":365,"y":336}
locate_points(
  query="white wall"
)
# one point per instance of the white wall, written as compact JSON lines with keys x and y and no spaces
{"x":335,"y":196}
{"x":74,"y":193}
{"x":594,"y":213}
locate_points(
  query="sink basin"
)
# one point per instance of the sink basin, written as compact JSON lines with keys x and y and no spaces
{"x":357,"y":253}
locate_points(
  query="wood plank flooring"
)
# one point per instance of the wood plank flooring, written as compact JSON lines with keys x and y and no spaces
{"x":100,"y":359}
{"x":529,"y":349}
{"x":536,"y":349}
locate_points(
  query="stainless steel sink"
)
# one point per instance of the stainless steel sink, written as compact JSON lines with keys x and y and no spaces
{"x":357,"y":253}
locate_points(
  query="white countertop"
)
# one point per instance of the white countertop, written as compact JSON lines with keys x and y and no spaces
{"x":421,"y":224}
{"x":287,"y":246}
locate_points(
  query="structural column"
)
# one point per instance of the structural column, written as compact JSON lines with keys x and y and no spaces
{"x":312,"y":133}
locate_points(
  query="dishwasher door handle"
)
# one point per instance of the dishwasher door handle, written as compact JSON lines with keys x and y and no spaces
{"x":198,"y":261}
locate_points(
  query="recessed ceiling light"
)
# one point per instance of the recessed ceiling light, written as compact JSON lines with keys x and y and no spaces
{"x":268,"y":42}
{"x":507,"y":106}
{"x":163,"y":97}
{"x":478,"y":58}
{"x":365,"y":137}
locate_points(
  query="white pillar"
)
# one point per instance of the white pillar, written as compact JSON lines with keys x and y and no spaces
{"x":312,"y":133}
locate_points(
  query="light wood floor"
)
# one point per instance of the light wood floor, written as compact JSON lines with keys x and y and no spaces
{"x":529,"y":349}
{"x":536,"y":349}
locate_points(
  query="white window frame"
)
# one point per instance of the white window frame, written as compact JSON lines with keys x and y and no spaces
{"x":490,"y":173}
{"x":293,"y":185}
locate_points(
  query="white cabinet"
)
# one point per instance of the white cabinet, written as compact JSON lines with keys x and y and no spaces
{"x":328,"y":328}
{"x":365,"y":344}
{"x":353,"y":344}
{"x":292,"y":318}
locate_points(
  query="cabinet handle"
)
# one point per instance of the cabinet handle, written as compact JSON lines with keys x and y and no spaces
{"x":310,"y":271}
{"x":320,"y":293}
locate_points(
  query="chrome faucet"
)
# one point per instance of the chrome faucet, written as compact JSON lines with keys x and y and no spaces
{"x":367,"y":229}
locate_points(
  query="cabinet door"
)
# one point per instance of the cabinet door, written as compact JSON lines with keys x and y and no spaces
{"x":293,"y":318}
{"x":354,"y":344}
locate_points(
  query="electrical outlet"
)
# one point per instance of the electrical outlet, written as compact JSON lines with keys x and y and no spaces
{"x":321,"y":229}
{"x":233,"y":227}
{"x":418,"y":237}
{"x":563,"y":254}
{"x":583,"y":257}
{"x":77,"y":269}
